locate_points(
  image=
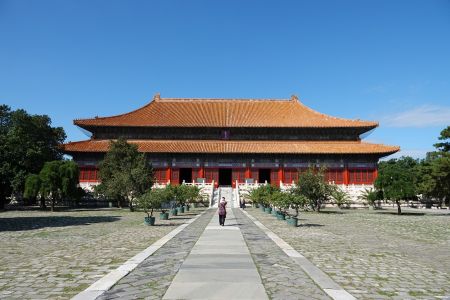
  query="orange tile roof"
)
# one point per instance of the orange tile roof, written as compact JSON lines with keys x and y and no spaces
{"x":221,"y":146}
{"x":176,"y":112}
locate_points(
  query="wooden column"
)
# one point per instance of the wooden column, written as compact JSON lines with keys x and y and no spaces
{"x":247,"y":173}
{"x":280,"y":175}
{"x":346,"y":176}
{"x":168,"y":174}
{"x":375,"y":175}
{"x":201,"y":172}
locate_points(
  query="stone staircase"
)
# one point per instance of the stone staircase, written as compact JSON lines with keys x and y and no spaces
{"x":216,"y":198}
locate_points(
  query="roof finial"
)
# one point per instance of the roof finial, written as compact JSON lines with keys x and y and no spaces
{"x":157,"y":97}
{"x":294,"y":98}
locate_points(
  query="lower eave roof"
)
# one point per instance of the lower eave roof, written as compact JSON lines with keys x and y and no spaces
{"x":234,"y":147}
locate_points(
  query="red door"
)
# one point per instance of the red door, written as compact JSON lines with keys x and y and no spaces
{"x":175,"y":176}
{"x":239,"y":175}
{"x":212,"y":174}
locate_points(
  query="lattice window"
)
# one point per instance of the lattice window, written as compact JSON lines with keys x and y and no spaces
{"x":160,"y":175}
{"x":361,"y":176}
{"x":335,"y":175}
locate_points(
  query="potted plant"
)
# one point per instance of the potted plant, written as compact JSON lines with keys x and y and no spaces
{"x":262,"y":195}
{"x":192,"y":195}
{"x":281,"y":201}
{"x":166,"y":196}
{"x":295,"y":202}
{"x":148,"y":202}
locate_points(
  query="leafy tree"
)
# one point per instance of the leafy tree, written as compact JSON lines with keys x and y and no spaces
{"x":32,"y":188}
{"x":263,"y":194}
{"x":69,"y":173}
{"x":280,"y":200}
{"x":26,"y":143}
{"x":396,"y":180}
{"x":124,"y":173}
{"x":192,"y":194}
{"x":286,"y":200}
{"x":445,"y":137}
{"x":153,"y":199}
{"x":51,"y":182}
{"x":57,"y":179}
{"x":433,"y":173}
{"x":313,"y":186}
{"x":297,"y":202}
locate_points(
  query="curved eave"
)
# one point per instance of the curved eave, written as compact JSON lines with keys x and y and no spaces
{"x":225,"y":113}
{"x":239,"y":147}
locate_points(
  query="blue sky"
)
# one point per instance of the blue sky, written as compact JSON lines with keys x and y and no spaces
{"x":387,"y":61}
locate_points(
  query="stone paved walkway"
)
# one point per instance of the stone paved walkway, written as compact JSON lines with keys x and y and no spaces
{"x":208,"y":261}
{"x":152,"y":277}
{"x":219,"y":266}
{"x":282,"y":278}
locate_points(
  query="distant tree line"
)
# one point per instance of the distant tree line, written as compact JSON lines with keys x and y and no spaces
{"x":407,"y":178}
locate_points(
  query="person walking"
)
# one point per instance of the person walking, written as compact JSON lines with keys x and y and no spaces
{"x":222,"y":211}
{"x":243,"y":203}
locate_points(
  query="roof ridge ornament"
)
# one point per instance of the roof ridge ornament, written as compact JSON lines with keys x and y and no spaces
{"x":157,"y":97}
{"x":294,"y":98}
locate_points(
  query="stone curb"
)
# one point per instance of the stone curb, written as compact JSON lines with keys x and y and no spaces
{"x":334,"y":290}
{"x":106,"y":282}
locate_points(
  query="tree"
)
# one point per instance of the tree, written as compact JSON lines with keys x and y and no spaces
{"x":26,"y":143}
{"x":263,"y":194}
{"x":433,"y":173}
{"x":51,"y":182}
{"x":445,"y":136}
{"x":124,"y":173}
{"x":296,"y":202}
{"x":313,"y":186}
{"x":280,"y":200}
{"x":192,"y":194}
{"x":396,"y":180}
{"x":69,"y":174}
{"x":32,"y":188}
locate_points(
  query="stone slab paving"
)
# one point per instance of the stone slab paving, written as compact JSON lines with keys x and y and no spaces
{"x":151,"y":278}
{"x":219,"y":266}
{"x":374,"y":255}
{"x":281,"y":276}
{"x":46,"y":255}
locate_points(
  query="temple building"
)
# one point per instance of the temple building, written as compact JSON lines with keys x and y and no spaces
{"x":229,"y":141}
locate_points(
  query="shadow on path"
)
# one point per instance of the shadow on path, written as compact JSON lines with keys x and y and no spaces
{"x":402,"y":214}
{"x":310,"y":225}
{"x":31,"y":223}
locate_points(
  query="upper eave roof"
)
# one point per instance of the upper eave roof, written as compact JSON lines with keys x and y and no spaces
{"x":224,"y":113}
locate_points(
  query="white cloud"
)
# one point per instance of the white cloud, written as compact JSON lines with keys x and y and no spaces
{"x":422,"y":116}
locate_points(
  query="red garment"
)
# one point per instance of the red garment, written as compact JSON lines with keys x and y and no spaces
{"x":222,"y":208}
